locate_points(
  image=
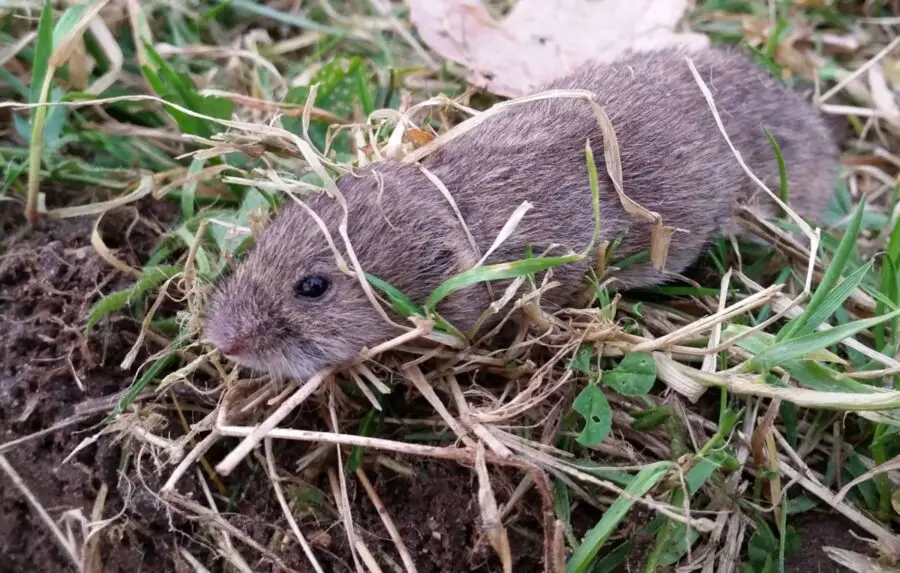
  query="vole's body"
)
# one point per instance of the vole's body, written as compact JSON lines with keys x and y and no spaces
{"x":674,"y":159}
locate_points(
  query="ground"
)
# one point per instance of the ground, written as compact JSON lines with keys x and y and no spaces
{"x":49,"y":278}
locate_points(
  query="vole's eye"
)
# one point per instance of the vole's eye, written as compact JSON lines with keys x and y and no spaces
{"x":312,"y":286}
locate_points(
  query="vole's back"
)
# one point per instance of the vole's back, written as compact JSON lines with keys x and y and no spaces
{"x":288,"y":308}
{"x":674,"y":158}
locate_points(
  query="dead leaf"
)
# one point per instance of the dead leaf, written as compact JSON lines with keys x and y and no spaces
{"x":541,"y":40}
{"x":418,"y":137}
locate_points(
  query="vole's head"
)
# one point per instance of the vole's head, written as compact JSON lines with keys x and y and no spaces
{"x":289,"y":311}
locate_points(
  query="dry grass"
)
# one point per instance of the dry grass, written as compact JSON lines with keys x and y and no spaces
{"x":777,"y":435}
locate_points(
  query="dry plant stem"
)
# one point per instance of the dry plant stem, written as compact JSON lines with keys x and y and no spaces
{"x":340,"y":493}
{"x":106,"y":254}
{"x":859,"y":563}
{"x":887,"y":466}
{"x":386,"y":10}
{"x":282,"y":501}
{"x":226,"y":548}
{"x":814,"y":236}
{"x":387,"y":521}
{"x":91,"y":562}
{"x":192,"y":561}
{"x":713,"y":543}
{"x":194,"y":511}
{"x":253,"y":439}
{"x":711,"y":359}
{"x":889,"y":542}
{"x":477,"y":428}
{"x":729,"y":557}
{"x":753,"y":301}
{"x":490,"y":515}
{"x":17,"y":481}
{"x":144,"y":187}
{"x":9,"y":52}
{"x":859,"y":71}
{"x":367,"y":558}
{"x":357,"y":548}
{"x":291,"y":110}
{"x":802,"y":396}
{"x":523,"y":488}
{"x":558,"y":557}
{"x":132,"y":354}
{"x":414,"y":374}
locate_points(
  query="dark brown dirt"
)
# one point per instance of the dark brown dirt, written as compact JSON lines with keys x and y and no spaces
{"x":436,"y":513}
{"x":49,"y":278}
{"x":819,"y":530}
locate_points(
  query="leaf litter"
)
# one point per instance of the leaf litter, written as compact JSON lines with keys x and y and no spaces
{"x":540,"y":40}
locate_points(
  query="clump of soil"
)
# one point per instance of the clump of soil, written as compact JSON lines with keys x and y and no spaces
{"x":818,"y":530}
{"x":51,"y":373}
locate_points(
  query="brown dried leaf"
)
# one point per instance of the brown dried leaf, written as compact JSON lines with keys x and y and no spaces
{"x":543,"y":39}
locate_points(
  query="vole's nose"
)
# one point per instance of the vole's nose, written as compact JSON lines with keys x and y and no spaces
{"x":232,"y":346}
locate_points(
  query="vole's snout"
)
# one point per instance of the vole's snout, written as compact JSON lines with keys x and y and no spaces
{"x":232,"y":346}
{"x":241,"y":326}
{"x":224,"y":336}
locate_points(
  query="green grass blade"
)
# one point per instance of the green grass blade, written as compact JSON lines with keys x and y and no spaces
{"x":893,"y":246}
{"x":499,"y":271}
{"x":835,"y":269}
{"x":67,"y":21}
{"x":782,"y":169}
{"x":151,"y":278}
{"x":583,"y":558}
{"x":260,"y":9}
{"x":890,"y":289}
{"x":594,"y":180}
{"x":399,"y":301}
{"x":797,"y":348}
{"x":832,"y":301}
{"x":365,"y":94}
{"x":155,"y":369}
{"x":42,"y":52}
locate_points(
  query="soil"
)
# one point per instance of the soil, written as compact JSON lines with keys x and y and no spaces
{"x":818,"y":530}
{"x":51,"y":373}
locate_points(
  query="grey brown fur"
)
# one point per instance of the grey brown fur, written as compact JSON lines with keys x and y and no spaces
{"x":675,"y":162}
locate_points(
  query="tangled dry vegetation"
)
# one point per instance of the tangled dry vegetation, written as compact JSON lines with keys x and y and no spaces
{"x":689,"y":425}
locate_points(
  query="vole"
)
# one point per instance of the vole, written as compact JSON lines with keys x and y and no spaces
{"x":289,"y":311}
